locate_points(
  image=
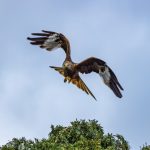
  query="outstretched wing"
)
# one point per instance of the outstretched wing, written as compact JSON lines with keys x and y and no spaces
{"x":76,"y":81}
{"x":50,"y":40}
{"x":99,"y":66}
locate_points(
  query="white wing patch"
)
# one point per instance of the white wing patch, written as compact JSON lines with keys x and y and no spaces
{"x":105,"y":75}
{"x":52,"y":42}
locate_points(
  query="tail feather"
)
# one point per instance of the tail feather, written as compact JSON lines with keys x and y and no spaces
{"x":76,"y":81}
{"x":87,"y":90}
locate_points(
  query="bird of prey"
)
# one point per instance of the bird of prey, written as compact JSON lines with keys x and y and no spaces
{"x":70,"y":70}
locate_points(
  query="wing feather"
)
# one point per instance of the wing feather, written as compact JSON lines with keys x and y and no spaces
{"x":90,"y":65}
{"x":93,"y":64}
{"x":50,"y":40}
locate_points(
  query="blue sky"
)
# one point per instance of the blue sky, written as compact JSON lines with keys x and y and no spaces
{"x":32,"y":96}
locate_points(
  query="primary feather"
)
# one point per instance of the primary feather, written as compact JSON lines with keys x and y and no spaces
{"x":50,"y":41}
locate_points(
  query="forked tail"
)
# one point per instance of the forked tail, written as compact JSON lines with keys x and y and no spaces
{"x":76,"y":81}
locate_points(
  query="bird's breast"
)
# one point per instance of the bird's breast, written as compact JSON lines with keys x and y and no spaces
{"x":68,"y":72}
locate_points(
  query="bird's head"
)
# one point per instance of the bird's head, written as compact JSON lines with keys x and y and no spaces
{"x":68,"y":65}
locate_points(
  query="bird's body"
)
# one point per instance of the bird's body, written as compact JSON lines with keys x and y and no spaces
{"x":70,"y":70}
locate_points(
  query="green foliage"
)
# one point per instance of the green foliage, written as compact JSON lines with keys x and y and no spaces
{"x":80,"y":135}
{"x":145,"y":147}
{"x":18,"y":144}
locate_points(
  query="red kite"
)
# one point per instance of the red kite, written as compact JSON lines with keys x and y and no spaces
{"x":70,"y":70}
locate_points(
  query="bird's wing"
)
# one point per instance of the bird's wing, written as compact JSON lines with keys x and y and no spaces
{"x":99,"y":66}
{"x":76,"y":81}
{"x":50,"y":40}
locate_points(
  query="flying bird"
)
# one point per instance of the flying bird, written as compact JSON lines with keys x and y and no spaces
{"x":70,"y":70}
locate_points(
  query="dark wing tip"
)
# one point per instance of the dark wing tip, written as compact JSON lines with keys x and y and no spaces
{"x":115,"y":79}
{"x":50,"y":32}
{"x":44,"y":31}
{"x":115,"y":89}
{"x":121,"y":87}
{"x":120,"y":96}
{"x":28,"y":38}
{"x":40,"y":34}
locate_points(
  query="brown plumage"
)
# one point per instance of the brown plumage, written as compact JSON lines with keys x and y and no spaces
{"x":70,"y":70}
